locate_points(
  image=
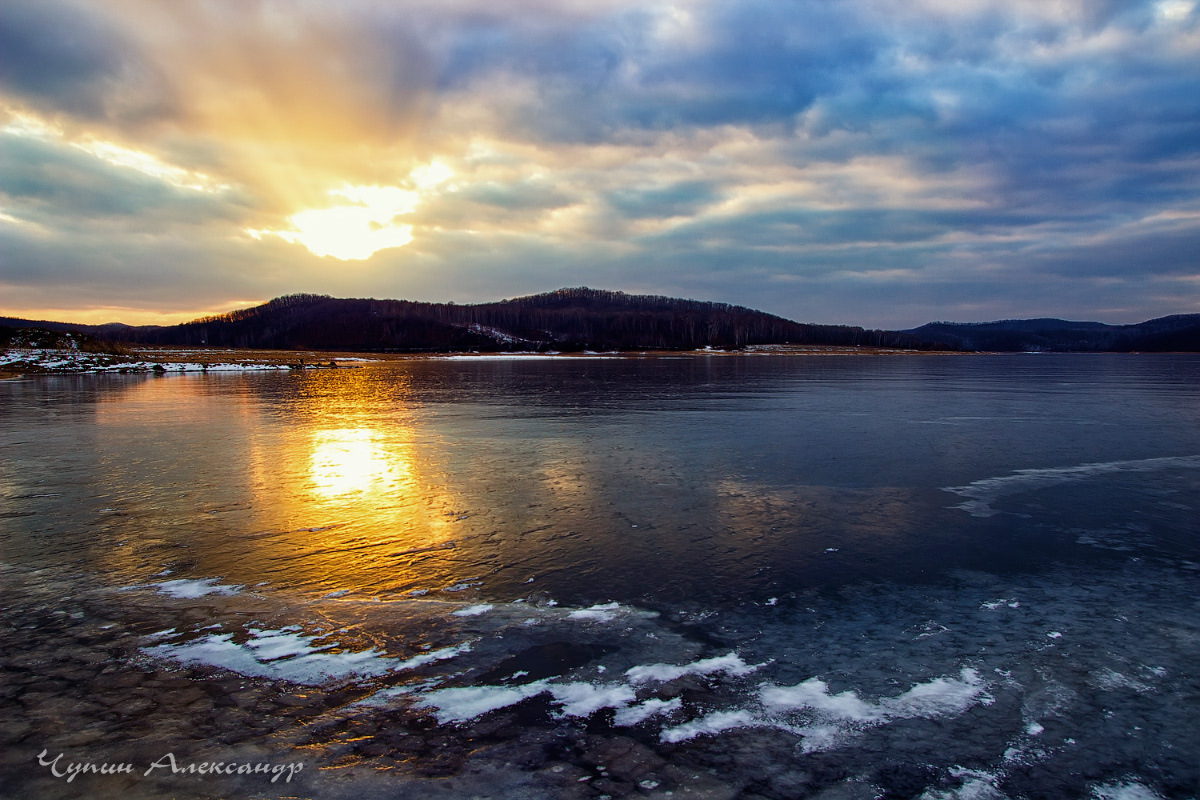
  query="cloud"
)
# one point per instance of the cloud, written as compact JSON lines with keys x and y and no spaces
{"x":67,"y":58}
{"x":63,"y":188}
{"x":871,"y":161}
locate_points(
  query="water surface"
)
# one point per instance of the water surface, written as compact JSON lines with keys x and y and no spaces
{"x":902,"y":575}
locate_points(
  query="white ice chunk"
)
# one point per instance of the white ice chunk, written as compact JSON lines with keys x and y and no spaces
{"x":289,"y":656}
{"x":1130,"y":790}
{"x":271,"y":645}
{"x":468,"y":702}
{"x":938,"y":697}
{"x":1110,"y":680}
{"x":976,"y":785}
{"x":473,"y":611}
{"x":716,"y":722}
{"x":578,"y":699}
{"x":731,"y":664}
{"x":312,"y":668}
{"x":601,"y":612}
{"x":813,"y":694}
{"x":582,"y":699}
{"x":641,"y":712}
{"x":187,"y":589}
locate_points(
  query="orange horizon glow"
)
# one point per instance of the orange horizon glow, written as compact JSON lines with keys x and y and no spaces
{"x":127,"y":315}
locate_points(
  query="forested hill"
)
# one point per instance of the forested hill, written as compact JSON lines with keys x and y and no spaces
{"x":565,"y":320}
{"x":1176,"y":333}
{"x":589,"y":319}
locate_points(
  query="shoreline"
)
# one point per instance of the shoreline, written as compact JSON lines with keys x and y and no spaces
{"x":18,"y":363}
{"x":22,"y":362}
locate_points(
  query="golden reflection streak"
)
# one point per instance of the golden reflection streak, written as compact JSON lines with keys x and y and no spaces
{"x":322,"y":480}
{"x":363,"y":486}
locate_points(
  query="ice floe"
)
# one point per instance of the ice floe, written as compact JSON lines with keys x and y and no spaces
{"x":636,"y":714}
{"x":1110,"y":680}
{"x":936,"y":698}
{"x":464,"y":703}
{"x":291,"y":656}
{"x":473,"y":611}
{"x":462,"y":586}
{"x":187,"y":589}
{"x":1129,"y":790}
{"x":601,"y":612}
{"x":582,"y":699}
{"x":982,"y":493}
{"x":974,"y":785}
{"x":575,"y":698}
{"x":731,"y":664}
{"x":716,"y":722}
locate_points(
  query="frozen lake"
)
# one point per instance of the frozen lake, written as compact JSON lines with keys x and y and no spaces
{"x":726,"y":576}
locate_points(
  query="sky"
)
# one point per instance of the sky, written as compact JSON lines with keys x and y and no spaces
{"x":875,"y":162}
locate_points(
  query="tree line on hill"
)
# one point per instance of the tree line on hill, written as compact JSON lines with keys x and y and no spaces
{"x":568,"y":320}
{"x":572,"y":320}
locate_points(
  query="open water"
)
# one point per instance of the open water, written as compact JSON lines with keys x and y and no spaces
{"x":697,"y":576}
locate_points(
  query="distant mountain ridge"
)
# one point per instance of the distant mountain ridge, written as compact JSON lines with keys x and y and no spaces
{"x":572,"y":320}
{"x":1175,"y":333}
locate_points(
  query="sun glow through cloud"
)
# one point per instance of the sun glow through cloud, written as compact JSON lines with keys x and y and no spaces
{"x":356,"y":231}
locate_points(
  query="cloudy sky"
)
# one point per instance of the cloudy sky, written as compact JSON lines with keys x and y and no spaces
{"x":877,"y":162}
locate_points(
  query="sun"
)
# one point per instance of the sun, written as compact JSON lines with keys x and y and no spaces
{"x":363,"y":219}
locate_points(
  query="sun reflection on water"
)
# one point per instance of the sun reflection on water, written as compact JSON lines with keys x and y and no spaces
{"x":337,"y":483}
{"x":354,"y":460}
